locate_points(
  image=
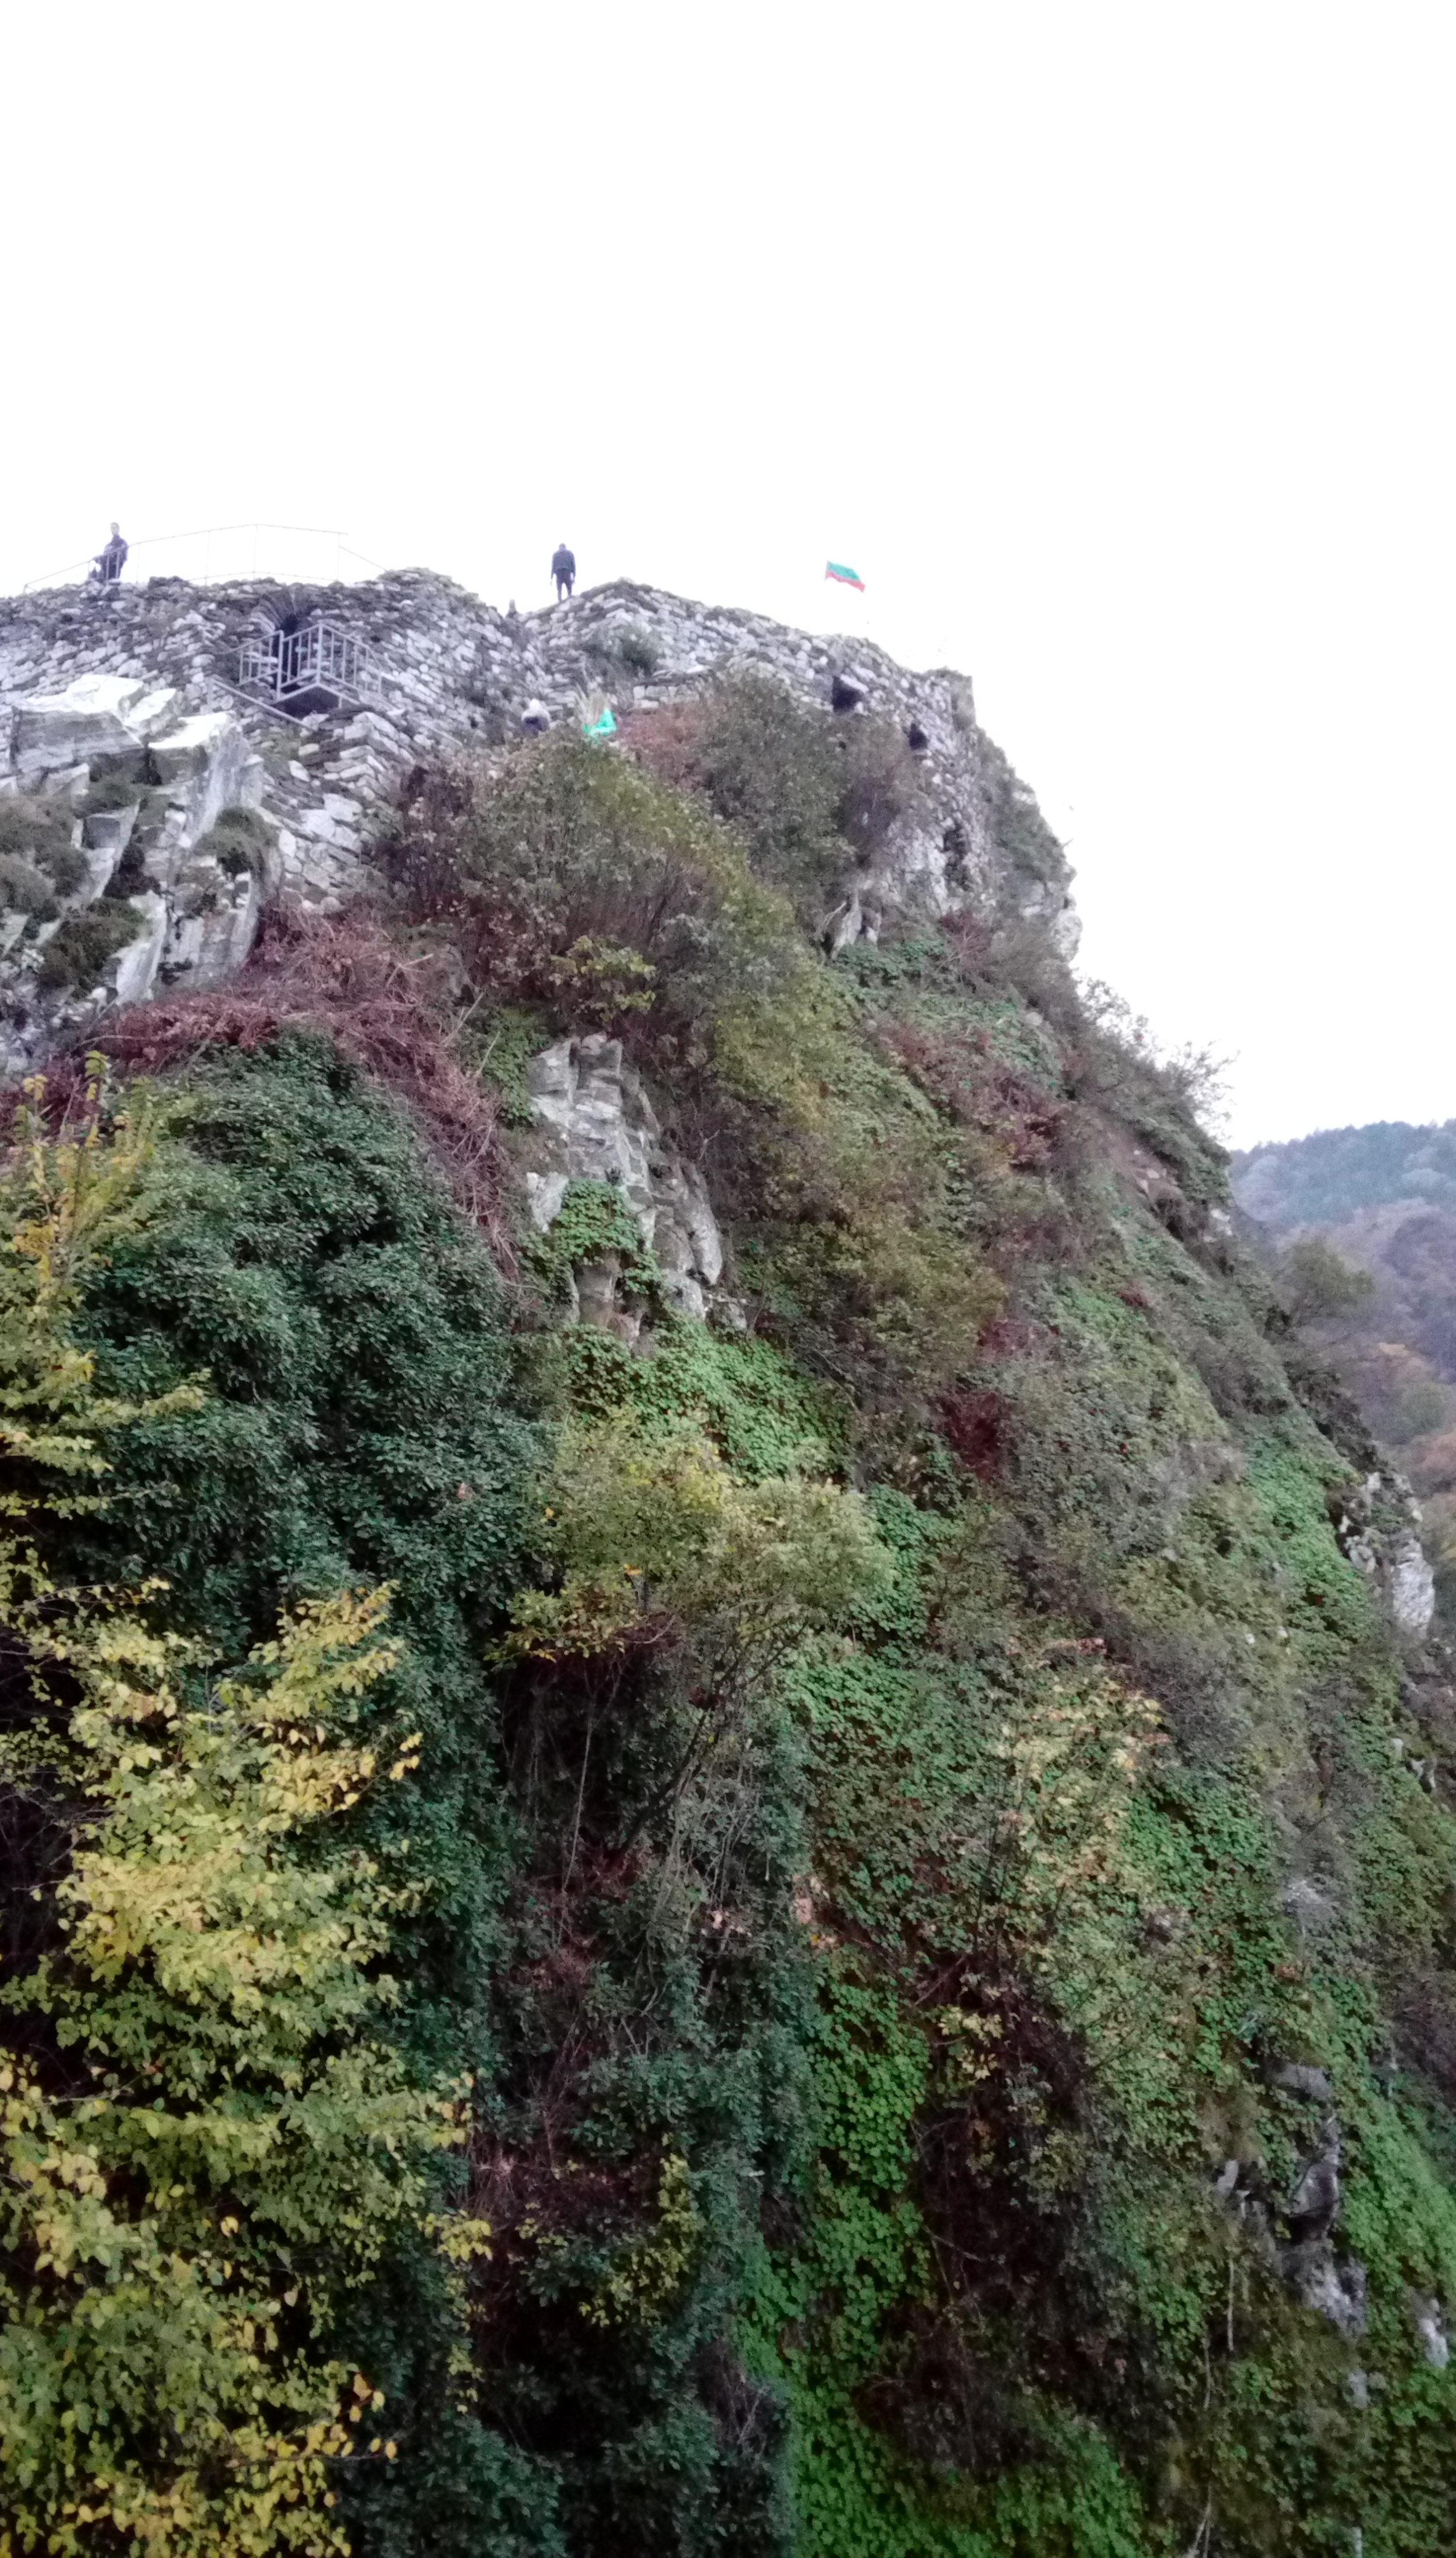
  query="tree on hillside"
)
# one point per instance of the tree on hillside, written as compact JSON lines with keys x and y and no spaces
{"x":1319,"y":1284}
{"x":207,"y":2134}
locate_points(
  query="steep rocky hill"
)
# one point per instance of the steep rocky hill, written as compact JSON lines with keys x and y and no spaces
{"x":729,"y":1820}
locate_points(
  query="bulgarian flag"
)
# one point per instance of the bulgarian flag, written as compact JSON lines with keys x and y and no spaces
{"x":841,"y":575}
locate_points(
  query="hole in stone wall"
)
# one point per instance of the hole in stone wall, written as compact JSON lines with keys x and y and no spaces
{"x":845,"y":694}
{"x":916,"y":738}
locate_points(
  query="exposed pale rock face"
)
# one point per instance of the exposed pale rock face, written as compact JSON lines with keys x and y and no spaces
{"x":194,"y":920}
{"x":1308,"y":1907}
{"x":55,"y":733}
{"x":133,"y":971}
{"x":599,"y":1126}
{"x":1387,"y":1550}
{"x":1410,"y":1586}
{"x":1331,"y":2285}
{"x":1334,"y":2287}
{"x":1322,"y":2279}
{"x":1301,"y":2078}
{"x":1430,"y":2326}
{"x":1314,"y":2205}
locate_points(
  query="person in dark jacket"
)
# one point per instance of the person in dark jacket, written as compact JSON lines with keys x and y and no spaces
{"x":563,"y":569}
{"x":109,"y":563}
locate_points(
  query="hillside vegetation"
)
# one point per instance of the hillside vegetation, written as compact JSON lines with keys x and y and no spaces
{"x":1384,"y":1199}
{"x":826,"y":1930}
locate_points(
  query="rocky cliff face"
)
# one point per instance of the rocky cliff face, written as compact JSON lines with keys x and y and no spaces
{"x":102,"y":688}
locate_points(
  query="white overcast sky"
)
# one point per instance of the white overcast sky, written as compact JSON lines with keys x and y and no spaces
{"x":1111,"y":343}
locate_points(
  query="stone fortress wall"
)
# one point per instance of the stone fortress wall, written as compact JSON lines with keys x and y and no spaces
{"x":151,"y":673}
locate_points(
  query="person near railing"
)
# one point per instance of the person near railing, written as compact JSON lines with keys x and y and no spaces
{"x":108,"y":564}
{"x":563,"y":569}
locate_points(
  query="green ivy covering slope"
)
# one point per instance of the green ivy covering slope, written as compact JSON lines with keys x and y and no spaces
{"x":935,"y":1860}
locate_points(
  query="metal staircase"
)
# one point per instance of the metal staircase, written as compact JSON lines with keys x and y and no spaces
{"x":317,"y":667}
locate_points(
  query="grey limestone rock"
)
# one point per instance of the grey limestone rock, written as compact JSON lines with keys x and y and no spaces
{"x":1310,"y":1908}
{"x":1411,"y":1585}
{"x":1302,"y":2078}
{"x":1430,"y":2326}
{"x":183,"y":766}
{"x":1334,"y":2287}
{"x":53,"y":735}
{"x":1379,"y":1531}
{"x":599,"y":1125}
{"x":1314,"y":2205}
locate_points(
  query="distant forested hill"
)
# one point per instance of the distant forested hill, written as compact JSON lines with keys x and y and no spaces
{"x":1325,"y":1179}
{"x":1385,"y":1198}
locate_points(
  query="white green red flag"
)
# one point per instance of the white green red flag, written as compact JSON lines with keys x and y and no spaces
{"x":843,"y":576}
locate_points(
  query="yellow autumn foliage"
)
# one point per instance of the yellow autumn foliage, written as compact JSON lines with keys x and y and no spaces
{"x":650,"y":1529}
{"x":205,"y":2132}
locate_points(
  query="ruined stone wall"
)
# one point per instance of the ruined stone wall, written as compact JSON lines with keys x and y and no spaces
{"x":450,"y":673}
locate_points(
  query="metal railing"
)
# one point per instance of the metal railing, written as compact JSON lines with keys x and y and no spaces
{"x":318,"y":661}
{"x":226,"y":554}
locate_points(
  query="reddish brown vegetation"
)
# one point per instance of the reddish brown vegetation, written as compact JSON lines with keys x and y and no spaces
{"x":972,"y":938}
{"x":670,"y":742}
{"x":386,"y":1008}
{"x":977,"y":1423}
{"x":972,"y":1084}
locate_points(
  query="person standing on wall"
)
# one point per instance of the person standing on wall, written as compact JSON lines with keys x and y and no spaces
{"x":563,"y":569}
{"x":108,"y":564}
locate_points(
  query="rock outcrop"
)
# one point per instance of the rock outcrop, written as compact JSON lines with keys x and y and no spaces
{"x":1380,"y":1530}
{"x":430,"y":669}
{"x":599,"y":1126}
{"x":114,"y":880}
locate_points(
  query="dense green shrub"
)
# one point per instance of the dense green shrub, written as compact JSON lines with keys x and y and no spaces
{"x":809,"y":795}
{"x":599,"y":894}
{"x":24,"y":889}
{"x":236,"y":841}
{"x":66,"y":868}
{"x":78,"y":952}
{"x":111,"y":789}
{"x":636,"y":650}
{"x":769,"y":768}
{"x":359,"y":1420}
{"x":1319,"y":1283}
{"x":209,"y":2136}
{"x":34,"y":831}
{"x":576,"y":859}
{"x":1021,"y":831}
{"x":38,"y":860}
